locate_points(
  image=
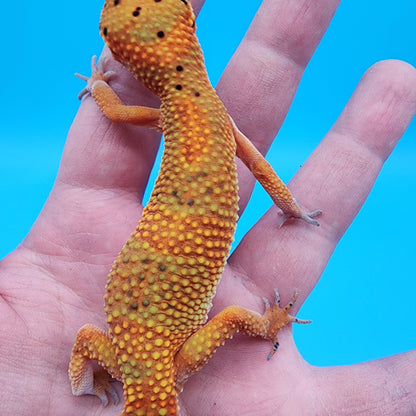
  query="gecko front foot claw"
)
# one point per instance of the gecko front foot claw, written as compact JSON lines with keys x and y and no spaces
{"x":97,"y":74}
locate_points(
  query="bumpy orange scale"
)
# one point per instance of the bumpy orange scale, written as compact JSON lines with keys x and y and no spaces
{"x":160,"y":288}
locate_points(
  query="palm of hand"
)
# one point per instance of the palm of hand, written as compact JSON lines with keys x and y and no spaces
{"x":54,"y":282}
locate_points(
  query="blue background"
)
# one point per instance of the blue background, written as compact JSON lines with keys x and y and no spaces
{"x":364,"y":305}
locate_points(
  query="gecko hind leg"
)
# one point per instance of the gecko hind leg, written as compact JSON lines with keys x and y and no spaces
{"x":277,"y":315}
{"x":202,"y":344}
{"x":93,"y":344}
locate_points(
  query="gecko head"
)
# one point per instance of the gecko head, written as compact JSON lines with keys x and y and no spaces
{"x":149,"y":35}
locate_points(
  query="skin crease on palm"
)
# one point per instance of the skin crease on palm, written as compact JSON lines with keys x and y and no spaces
{"x":54,"y":282}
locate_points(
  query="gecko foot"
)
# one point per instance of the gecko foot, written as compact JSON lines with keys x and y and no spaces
{"x":96,"y":383}
{"x":278,"y":318}
{"x":97,"y":74}
{"x":102,"y":387}
{"x":309,"y":217}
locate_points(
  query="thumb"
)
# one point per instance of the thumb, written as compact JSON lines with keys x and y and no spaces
{"x":380,"y":387}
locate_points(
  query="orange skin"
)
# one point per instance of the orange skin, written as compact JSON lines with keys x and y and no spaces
{"x":161,"y":286}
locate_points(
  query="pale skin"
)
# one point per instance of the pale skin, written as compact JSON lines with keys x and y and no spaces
{"x":54,"y":282}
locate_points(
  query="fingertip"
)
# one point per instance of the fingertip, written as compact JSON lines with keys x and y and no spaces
{"x":394,"y":77}
{"x":399,"y":71}
{"x":381,"y":107}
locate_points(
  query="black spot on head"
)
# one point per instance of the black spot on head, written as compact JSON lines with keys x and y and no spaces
{"x":184,"y":2}
{"x":190,"y":202}
{"x":160,"y":34}
{"x":116,"y":2}
{"x":105,"y":31}
{"x":137,"y":12}
{"x":162,"y":267}
{"x":179,"y":68}
{"x":134,"y":306}
{"x":197,"y":93}
{"x":157,"y":1}
{"x":178,"y":87}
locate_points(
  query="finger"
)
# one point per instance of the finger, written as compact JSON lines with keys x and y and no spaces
{"x":124,"y":153}
{"x":337,"y":178}
{"x":100,"y":154}
{"x":261,"y":79}
{"x":197,"y":5}
{"x":379,"y":387}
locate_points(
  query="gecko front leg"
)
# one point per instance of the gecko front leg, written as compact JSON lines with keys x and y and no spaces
{"x":111,"y":105}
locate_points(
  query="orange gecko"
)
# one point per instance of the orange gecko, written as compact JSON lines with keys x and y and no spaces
{"x":161,"y":285}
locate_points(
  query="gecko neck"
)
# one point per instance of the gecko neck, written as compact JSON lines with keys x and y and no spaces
{"x":173,"y":71}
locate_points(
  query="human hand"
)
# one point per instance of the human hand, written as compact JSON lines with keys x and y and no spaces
{"x":54,"y":282}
